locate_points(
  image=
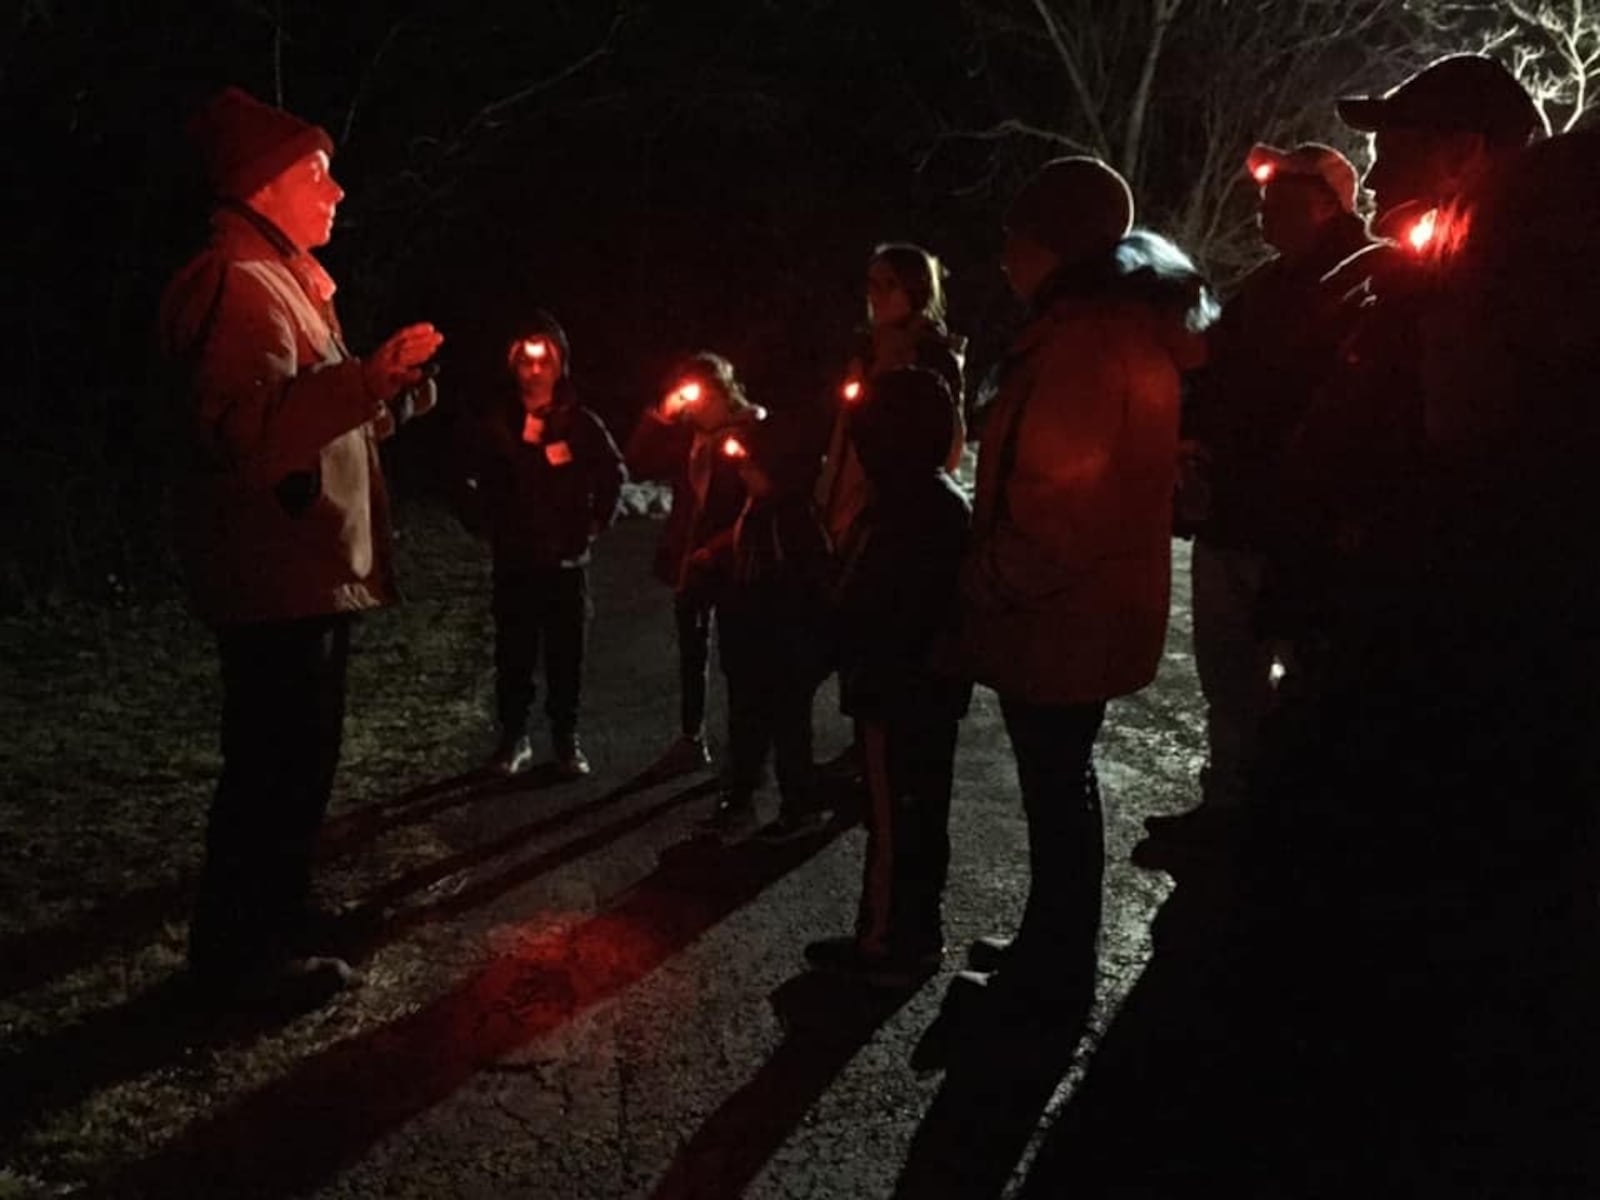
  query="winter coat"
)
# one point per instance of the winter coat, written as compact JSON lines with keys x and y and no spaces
{"x":280,"y":509}
{"x":842,"y":489}
{"x":541,"y":502}
{"x":666,"y":451}
{"x":1065,"y":587}
{"x":1511,"y":380}
{"x":896,"y":598}
{"x":1275,"y":345}
{"x":1352,"y":506}
{"x":1509,"y":615}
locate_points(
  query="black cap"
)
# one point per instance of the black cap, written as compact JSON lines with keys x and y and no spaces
{"x":1464,"y":93}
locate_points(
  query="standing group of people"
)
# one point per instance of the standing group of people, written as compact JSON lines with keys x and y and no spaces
{"x":1380,"y":449}
{"x":1391,"y":596}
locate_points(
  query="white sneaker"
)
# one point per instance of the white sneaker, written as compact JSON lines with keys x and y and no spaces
{"x":512,"y":757}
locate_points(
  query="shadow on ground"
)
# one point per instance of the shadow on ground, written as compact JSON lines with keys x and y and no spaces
{"x":1003,"y":1062}
{"x":826,"y":1020}
{"x":334,"y":1107}
{"x":36,"y":956}
{"x":158,"y":1026}
{"x":1285,"y":1041}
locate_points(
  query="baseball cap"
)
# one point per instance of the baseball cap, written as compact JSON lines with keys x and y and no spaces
{"x":1311,"y":159}
{"x":1469,"y":93}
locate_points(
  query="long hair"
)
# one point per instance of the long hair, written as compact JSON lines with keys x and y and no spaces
{"x":713,"y":369}
{"x":710,"y":367}
{"x":920,"y":273}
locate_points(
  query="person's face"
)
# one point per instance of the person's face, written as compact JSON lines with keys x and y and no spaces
{"x":1417,"y":168}
{"x":1026,"y":264}
{"x":710,"y":409}
{"x":887,"y":300}
{"x":1294,"y":209}
{"x":301,"y":200}
{"x":536,"y":362}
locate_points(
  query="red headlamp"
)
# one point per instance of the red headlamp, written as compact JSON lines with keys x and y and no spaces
{"x":681,"y":397}
{"x":1422,"y":232}
{"x":851,"y":391}
{"x":733,"y":448}
{"x":535,"y":349}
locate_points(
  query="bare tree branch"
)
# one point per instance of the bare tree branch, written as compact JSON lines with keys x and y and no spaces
{"x":1013,"y":127}
{"x":490,"y":113}
{"x":368,"y":73}
{"x":1069,"y":63}
{"x":1552,"y":46}
{"x":1173,"y":92}
{"x":1161,"y":14}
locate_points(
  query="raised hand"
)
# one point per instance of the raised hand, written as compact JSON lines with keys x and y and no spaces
{"x":397,"y":364}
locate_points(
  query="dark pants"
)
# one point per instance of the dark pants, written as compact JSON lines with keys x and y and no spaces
{"x":772,"y":673}
{"x":910,"y":762}
{"x":1055,"y":951}
{"x":694,"y":616}
{"x":282,"y":716}
{"x":1234,"y":665}
{"x":538,"y":610}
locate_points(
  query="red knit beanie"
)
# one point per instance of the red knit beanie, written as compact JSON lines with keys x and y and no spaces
{"x":246,"y":143}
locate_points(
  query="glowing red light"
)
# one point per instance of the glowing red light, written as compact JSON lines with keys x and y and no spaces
{"x":1262,"y":172}
{"x":535,"y":348}
{"x":685,"y":394}
{"x":733,"y":448}
{"x":1423,"y":230}
{"x":851,"y":391}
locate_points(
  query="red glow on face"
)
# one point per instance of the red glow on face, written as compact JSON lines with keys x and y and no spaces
{"x":1423,"y":230}
{"x":1262,"y":172}
{"x":682,"y":396}
{"x":851,"y":391}
{"x":535,"y":349}
{"x":733,"y":448}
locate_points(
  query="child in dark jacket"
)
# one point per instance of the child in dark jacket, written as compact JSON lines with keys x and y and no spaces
{"x":542,"y":479}
{"x":771,"y":572}
{"x":895,"y":600}
{"x":678,"y":442}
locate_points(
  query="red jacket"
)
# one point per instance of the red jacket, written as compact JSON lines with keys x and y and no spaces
{"x":1066,"y":585}
{"x":281,"y":510}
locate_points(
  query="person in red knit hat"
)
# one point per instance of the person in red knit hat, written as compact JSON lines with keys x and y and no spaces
{"x":282,"y":526}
